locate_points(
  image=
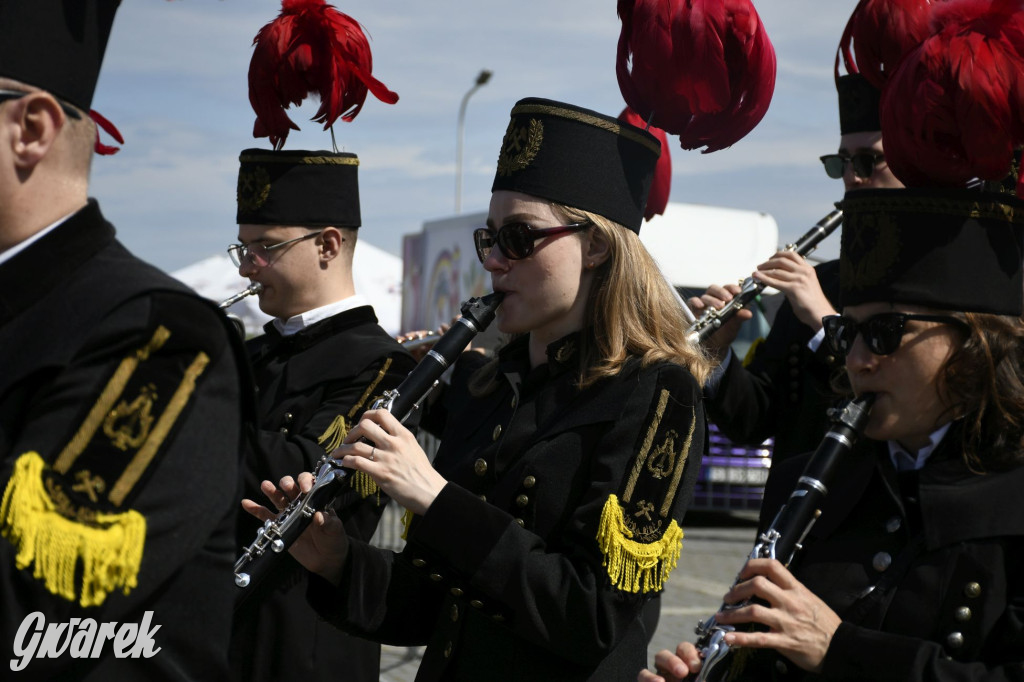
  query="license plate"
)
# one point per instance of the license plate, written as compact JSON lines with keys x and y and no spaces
{"x":738,"y":475}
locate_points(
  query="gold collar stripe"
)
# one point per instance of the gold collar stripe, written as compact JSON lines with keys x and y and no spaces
{"x":105,"y":403}
{"x":148,"y":451}
{"x":307,"y":160}
{"x":546,"y":110}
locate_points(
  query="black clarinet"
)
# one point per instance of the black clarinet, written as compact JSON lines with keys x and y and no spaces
{"x":278,"y":534}
{"x":783,"y":538}
{"x":708,"y":323}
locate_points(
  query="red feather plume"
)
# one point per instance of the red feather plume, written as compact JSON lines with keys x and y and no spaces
{"x":700,"y":69}
{"x":954,"y":109}
{"x":310,"y":47}
{"x":657,"y":199}
{"x":879,"y":33}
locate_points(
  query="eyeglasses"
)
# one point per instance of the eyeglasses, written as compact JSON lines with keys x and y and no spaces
{"x":259,"y":254}
{"x":516,"y":240}
{"x":69,"y":110}
{"x":882,"y":333}
{"x":863,"y":163}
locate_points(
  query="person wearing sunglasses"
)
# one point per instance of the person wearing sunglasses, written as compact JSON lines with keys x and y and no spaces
{"x":911,"y":571}
{"x":541,"y":537}
{"x":121,"y":401}
{"x":782,"y":389}
{"x":322,"y":360}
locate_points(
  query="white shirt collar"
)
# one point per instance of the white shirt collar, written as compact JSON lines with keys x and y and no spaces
{"x":299,"y":322}
{"x":25,"y":243}
{"x":903,"y":460}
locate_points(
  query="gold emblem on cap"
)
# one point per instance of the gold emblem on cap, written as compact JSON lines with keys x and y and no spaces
{"x":877,"y":243}
{"x":253,"y":188}
{"x":520,"y":146}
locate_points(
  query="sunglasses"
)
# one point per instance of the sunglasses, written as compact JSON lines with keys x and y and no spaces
{"x":882,"y":333}
{"x":516,"y":240}
{"x":863,"y":163}
{"x":259,"y":254}
{"x":69,"y":110}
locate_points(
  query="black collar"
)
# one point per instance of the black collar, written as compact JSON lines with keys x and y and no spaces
{"x":50,"y":261}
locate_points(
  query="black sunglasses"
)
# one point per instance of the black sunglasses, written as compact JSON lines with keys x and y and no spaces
{"x":882,"y":333}
{"x":516,"y":240}
{"x":69,"y":110}
{"x":863,"y":163}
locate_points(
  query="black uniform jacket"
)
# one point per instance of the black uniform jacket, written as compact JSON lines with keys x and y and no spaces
{"x":555,"y":532}
{"x":782,"y":390}
{"x":313,"y":386}
{"x":950,"y":542}
{"x":120,"y":430}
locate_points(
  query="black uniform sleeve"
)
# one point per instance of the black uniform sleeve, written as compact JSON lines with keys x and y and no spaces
{"x":120,"y":495}
{"x":895,"y":658}
{"x":575,"y":593}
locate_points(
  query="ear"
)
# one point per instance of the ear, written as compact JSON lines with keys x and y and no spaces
{"x":331,"y":240}
{"x":596,"y":249}
{"x":35,"y":121}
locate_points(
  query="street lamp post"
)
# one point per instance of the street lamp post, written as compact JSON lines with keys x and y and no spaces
{"x":481,"y":80}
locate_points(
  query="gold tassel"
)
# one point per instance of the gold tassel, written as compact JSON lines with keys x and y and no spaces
{"x":636,"y":566}
{"x":110,"y":548}
{"x":332,"y":438}
{"x":406,"y":522}
{"x":364,"y":485}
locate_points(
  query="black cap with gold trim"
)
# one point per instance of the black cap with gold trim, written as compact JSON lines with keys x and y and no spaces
{"x":298,"y":188}
{"x":56,"y":45}
{"x":579,"y":158}
{"x":953,"y":249}
{"x":859,"y":101}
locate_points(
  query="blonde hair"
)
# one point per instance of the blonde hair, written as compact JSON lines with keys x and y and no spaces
{"x":632,"y":309}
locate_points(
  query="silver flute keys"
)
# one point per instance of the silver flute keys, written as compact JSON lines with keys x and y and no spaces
{"x":712,"y":319}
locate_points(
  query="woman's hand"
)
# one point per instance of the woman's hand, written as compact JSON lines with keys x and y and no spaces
{"x":791,"y":274}
{"x":323,"y":546}
{"x":393,"y":459}
{"x":800,"y":625}
{"x":673,"y":667}
{"x":716,"y":297}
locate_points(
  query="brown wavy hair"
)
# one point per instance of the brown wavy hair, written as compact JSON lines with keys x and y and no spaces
{"x":984,"y":379}
{"x":631,"y":308}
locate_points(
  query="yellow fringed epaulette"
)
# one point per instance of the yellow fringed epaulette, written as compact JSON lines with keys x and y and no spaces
{"x":332,"y":438}
{"x":636,"y":566}
{"x":364,"y":485}
{"x":109,"y":546}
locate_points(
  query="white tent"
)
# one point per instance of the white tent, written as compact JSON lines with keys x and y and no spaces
{"x":377,"y":274}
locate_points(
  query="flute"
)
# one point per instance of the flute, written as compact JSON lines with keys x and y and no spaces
{"x":251,"y":290}
{"x":277,"y":534}
{"x":712,"y":319}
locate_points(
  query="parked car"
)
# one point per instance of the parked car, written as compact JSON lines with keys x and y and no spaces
{"x":732,"y":476}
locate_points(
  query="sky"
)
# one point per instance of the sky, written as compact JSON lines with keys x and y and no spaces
{"x":174,"y":82}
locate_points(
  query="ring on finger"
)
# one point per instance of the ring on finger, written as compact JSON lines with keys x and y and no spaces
{"x":373,"y":453}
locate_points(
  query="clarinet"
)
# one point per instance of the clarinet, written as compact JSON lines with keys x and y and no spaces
{"x":712,"y":319}
{"x":277,"y":534}
{"x":786,"y":534}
